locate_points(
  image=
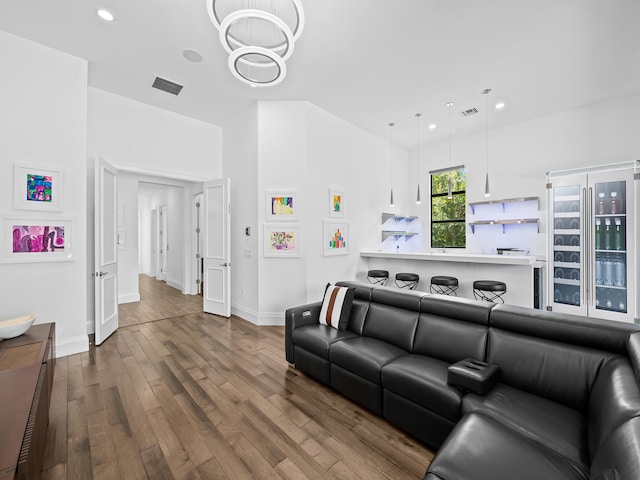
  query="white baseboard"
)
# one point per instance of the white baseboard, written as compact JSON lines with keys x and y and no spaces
{"x":174,"y":283}
{"x":128,"y":298}
{"x":71,"y":346}
{"x":258,"y":318}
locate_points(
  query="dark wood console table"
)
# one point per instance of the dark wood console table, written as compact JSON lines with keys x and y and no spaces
{"x":27,"y":364}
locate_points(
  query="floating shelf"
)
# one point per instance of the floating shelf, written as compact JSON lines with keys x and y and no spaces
{"x":505,"y":201}
{"x":392,"y":233}
{"x":519,"y":221}
{"x":396,"y":217}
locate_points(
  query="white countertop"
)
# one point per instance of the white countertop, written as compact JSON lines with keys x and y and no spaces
{"x":458,"y":257}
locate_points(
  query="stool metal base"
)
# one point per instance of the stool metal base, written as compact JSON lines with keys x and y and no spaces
{"x":489,"y":290}
{"x":378,"y":277}
{"x":444,"y":285}
{"x":407,"y":280}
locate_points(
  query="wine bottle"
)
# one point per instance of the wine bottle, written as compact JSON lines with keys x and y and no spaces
{"x":615,"y":204}
{"x":601,"y":206}
{"x":618,"y":236}
{"x":598,"y":234}
{"x":607,"y":234}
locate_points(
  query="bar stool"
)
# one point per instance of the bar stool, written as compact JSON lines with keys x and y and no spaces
{"x":444,"y":285}
{"x":407,"y":280}
{"x":489,"y":290}
{"x":378,"y":277}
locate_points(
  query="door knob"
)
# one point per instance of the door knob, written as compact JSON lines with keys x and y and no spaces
{"x":101,"y":274}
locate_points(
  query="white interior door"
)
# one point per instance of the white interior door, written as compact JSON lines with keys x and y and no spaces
{"x":164,"y":244}
{"x":106,"y":253}
{"x":217,"y":263}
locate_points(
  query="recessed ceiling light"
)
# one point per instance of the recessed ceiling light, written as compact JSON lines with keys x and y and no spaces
{"x":432,"y":126}
{"x":106,"y":15}
{"x":499,"y":105}
{"x":192,"y":55}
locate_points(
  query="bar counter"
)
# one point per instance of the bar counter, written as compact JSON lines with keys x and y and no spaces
{"x":516,"y":271}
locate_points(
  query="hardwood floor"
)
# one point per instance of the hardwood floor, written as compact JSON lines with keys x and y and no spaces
{"x":157,"y":301}
{"x":204,"y":397}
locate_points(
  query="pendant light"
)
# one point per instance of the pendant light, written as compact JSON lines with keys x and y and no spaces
{"x":418,"y":199}
{"x":450,"y":189}
{"x":391,"y":160}
{"x":487,"y":190}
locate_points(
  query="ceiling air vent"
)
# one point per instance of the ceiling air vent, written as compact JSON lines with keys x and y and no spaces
{"x":166,"y":86}
{"x":470,"y":111}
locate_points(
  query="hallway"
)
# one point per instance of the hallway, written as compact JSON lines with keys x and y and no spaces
{"x":157,"y":301}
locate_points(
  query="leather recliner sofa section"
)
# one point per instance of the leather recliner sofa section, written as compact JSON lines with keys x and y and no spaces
{"x":566,"y":404}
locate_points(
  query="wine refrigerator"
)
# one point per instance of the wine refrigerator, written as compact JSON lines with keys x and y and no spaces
{"x":593,"y":241}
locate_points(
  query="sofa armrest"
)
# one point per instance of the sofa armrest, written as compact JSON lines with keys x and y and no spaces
{"x":296,"y":317}
{"x":473,"y":375}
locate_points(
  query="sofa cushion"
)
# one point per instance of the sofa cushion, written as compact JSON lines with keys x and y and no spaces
{"x":561,"y":372}
{"x":364,"y":356}
{"x":481,"y":448}
{"x":550,"y":424}
{"x":615,"y":398}
{"x":423,"y":380}
{"x":619,"y":454}
{"x":318,"y":338}
{"x":336,"y":306}
{"x":448,"y":339}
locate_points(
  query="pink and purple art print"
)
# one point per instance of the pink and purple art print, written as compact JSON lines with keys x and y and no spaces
{"x":280,"y":241}
{"x":39,"y":188}
{"x":37,"y":238}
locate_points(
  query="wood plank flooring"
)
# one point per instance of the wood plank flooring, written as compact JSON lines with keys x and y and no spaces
{"x":158,"y":300}
{"x":204,"y":397}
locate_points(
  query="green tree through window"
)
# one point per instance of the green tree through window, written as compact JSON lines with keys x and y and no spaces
{"x":448,"y":227}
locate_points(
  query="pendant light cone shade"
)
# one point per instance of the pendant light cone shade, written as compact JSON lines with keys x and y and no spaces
{"x":418,"y":199}
{"x":485,"y":92}
{"x":391,"y":199}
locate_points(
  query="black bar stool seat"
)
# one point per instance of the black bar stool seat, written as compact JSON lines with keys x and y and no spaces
{"x":444,"y":285}
{"x":378,"y":277}
{"x":407,"y":280}
{"x":489,"y":290}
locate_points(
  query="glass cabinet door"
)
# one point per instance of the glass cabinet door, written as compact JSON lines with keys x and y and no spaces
{"x":610,"y":243}
{"x":567,"y":245}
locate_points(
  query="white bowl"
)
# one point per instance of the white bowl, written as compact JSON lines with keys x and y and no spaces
{"x":15,"y":327}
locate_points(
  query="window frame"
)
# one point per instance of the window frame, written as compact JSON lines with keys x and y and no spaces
{"x":455,"y":193}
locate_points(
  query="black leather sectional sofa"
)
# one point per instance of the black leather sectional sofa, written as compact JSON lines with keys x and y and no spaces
{"x":565,"y":404}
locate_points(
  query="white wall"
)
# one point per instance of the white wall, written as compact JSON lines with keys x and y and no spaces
{"x":43,"y":93}
{"x":241,"y":165}
{"x":130,"y":133}
{"x":128,"y":252}
{"x":297,"y":146}
{"x":522,"y":153}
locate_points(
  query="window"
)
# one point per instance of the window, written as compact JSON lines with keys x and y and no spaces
{"x":448,"y":225}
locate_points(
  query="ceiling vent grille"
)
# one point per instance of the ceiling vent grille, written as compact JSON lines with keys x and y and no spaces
{"x":167,"y":86}
{"x":469,"y":112}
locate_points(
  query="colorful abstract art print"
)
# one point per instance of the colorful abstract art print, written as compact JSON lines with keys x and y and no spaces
{"x":336,"y":203}
{"x":281,"y":205}
{"x":281,"y":241}
{"x":39,"y":188}
{"x":37,"y":238}
{"x":335,"y":238}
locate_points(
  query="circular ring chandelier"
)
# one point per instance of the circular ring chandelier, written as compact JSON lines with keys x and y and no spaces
{"x":257,"y":39}
{"x":273,"y":61}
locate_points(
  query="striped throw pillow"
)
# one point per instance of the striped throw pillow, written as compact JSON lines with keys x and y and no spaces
{"x":336,"y":306}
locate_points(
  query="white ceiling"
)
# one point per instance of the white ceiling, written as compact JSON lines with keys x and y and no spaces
{"x":367,"y":61}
